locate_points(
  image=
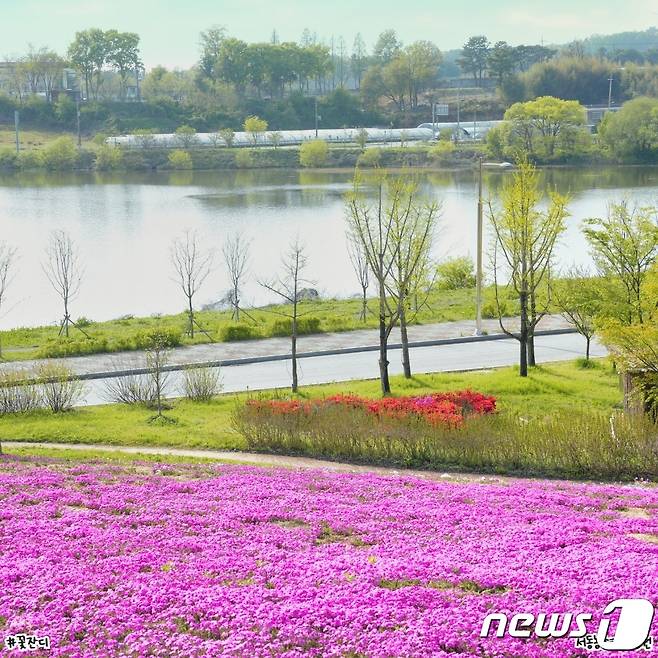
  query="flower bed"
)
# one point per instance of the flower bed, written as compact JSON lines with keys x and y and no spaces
{"x":436,"y":408}
{"x":196,"y":561}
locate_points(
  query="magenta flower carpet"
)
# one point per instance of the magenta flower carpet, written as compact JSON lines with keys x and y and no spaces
{"x":195,"y":561}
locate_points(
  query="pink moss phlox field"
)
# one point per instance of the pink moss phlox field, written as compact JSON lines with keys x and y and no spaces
{"x":217,"y":560}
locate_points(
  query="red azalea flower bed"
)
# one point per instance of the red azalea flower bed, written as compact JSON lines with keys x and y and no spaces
{"x":437,"y":408}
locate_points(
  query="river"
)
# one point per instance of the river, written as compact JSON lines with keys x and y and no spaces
{"x":123,"y":225}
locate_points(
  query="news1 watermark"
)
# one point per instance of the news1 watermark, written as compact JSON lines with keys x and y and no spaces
{"x":632,"y":630}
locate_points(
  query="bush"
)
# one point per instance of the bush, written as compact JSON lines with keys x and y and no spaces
{"x":244,"y":159}
{"x":163,"y":337}
{"x":456,"y":273}
{"x":8,"y":158}
{"x":283,"y":327}
{"x":62,"y":347}
{"x":30,"y":160}
{"x":180,"y":160}
{"x":201,"y":384}
{"x":61,"y":154}
{"x":313,"y":153}
{"x":130,"y":389}
{"x":17,"y":395}
{"x":441,"y":151}
{"x":371,"y":157}
{"x":58,"y":388}
{"x":233,"y":332}
{"x":108,"y":158}
{"x":572,"y":443}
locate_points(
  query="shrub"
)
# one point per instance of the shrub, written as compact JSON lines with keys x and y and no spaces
{"x":165,"y":337}
{"x":58,"y":388}
{"x":244,"y":159}
{"x":186,"y":136}
{"x":130,"y":389}
{"x":283,"y":327}
{"x":108,"y":158}
{"x":441,"y":151}
{"x":30,"y":160}
{"x":571,"y":443}
{"x":228,"y":135}
{"x":456,"y":273}
{"x":201,"y":384}
{"x":233,"y":332}
{"x":180,"y":160}
{"x":17,"y":393}
{"x":313,"y":153}
{"x":371,"y":157}
{"x":61,"y":154}
{"x":8,"y":158}
{"x":83,"y":322}
{"x":62,"y":347}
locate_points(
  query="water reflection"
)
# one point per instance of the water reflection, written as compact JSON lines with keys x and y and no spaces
{"x":124,"y":223}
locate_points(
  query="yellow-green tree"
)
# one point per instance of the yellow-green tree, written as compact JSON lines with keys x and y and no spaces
{"x":313,"y":153}
{"x":525,"y":236}
{"x":255,"y":126}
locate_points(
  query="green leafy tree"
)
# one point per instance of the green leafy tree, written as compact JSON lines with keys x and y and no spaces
{"x":475,"y":56}
{"x":525,"y":238}
{"x":313,"y":153}
{"x":387,"y":47}
{"x":631,"y":134}
{"x":624,"y":246}
{"x":186,"y":136}
{"x":89,"y":53}
{"x":255,"y":126}
{"x":500,"y":60}
{"x":123,"y":55}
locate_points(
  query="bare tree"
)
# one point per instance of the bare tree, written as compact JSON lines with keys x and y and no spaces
{"x":359,"y":262}
{"x":236,"y":258}
{"x":192,"y":266}
{"x":7,"y":261}
{"x":157,"y":358}
{"x":287,"y":287}
{"x":384,"y":230}
{"x":64,"y":271}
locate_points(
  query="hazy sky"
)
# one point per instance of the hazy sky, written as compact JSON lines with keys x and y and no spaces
{"x":170,"y":28}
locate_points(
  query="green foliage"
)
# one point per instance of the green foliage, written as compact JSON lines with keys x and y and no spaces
{"x":456,"y":273}
{"x":72,"y":346}
{"x":108,"y":158}
{"x":228,"y":135}
{"x":180,"y":160}
{"x":442,"y":151}
{"x":61,"y":154}
{"x":234,"y":332}
{"x":186,"y":136}
{"x":546,"y":128}
{"x":255,"y":126}
{"x":7,"y":158}
{"x":305,"y":325}
{"x":313,"y":153}
{"x":631,"y":134}
{"x":244,"y":159}
{"x":160,"y":337}
{"x":371,"y":157}
{"x":28,"y":160}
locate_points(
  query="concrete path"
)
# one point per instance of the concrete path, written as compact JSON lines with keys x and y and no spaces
{"x":255,"y":351}
{"x":259,"y":459}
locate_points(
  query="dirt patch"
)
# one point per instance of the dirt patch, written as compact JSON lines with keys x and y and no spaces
{"x":644,"y":536}
{"x":635,"y":512}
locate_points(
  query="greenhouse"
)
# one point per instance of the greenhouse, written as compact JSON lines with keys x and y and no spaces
{"x":275,"y":138}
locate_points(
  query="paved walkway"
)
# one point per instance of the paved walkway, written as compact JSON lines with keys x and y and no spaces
{"x":265,"y":460}
{"x":264,"y":349}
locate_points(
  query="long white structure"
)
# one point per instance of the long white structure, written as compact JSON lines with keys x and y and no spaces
{"x":280,"y":138}
{"x":467,"y":129}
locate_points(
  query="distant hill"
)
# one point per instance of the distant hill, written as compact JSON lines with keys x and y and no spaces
{"x":641,"y":41}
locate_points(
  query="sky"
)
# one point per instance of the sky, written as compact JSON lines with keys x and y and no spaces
{"x":169,"y":28}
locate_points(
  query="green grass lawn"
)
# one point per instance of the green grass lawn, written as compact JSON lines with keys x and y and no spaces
{"x":121,"y":334}
{"x":549,"y":388}
{"x":32,"y":139}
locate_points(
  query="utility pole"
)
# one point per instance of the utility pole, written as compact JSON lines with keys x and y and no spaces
{"x":610,"y":79}
{"x":459,"y":100}
{"x":433,"y":118}
{"x":478,"y":273}
{"x":77,"y":115}
{"x":16,"y":122}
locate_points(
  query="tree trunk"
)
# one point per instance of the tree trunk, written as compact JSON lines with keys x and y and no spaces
{"x":531,"y":348}
{"x":190,"y":311}
{"x":523,"y":336}
{"x":293,"y":353}
{"x":589,"y":340}
{"x":406,"y":363}
{"x":364,"y":306}
{"x":383,"y":358}
{"x":66,"y":318}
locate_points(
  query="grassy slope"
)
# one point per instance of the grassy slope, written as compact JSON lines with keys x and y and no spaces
{"x":547,"y":389}
{"x":334,"y":315}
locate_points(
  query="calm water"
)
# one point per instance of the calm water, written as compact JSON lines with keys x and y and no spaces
{"x":124,"y":224}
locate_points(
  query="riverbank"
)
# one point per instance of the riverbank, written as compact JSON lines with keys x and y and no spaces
{"x":320,"y":316}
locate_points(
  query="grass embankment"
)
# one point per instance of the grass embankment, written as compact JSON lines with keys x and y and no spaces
{"x":34,"y":139}
{"x":549,"y":389}
{"x":320,"y":316}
